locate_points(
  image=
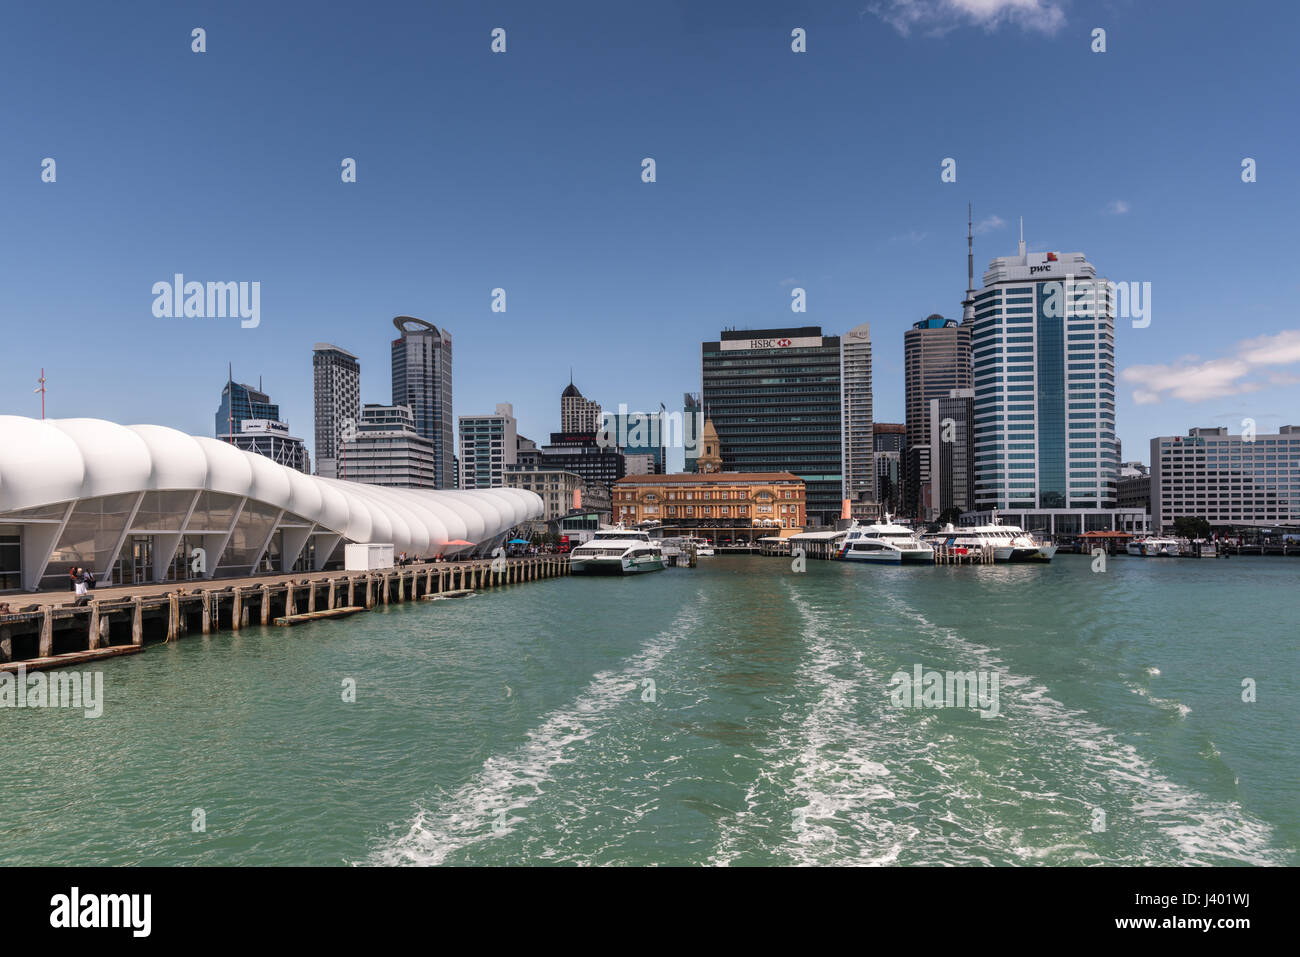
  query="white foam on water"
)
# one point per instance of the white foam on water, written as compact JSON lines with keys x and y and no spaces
{"x":1203,"y":830}
{"x":515,"y":780}
{"x":819,"y":770}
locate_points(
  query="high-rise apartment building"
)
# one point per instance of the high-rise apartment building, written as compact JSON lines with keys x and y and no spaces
{"x":856,"y":435}
{"x":336,"y":390}
{"x":489,"y":444}
{"x":774,"y":397}
{"x":422,"y":383}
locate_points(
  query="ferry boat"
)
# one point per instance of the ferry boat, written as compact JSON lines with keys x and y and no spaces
{"x":883,"y":543}
{"x":1154,"y":547}
{"x":617,"y":551}
{"x":1010,"y":543}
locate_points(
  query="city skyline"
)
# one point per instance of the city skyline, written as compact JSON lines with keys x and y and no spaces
{"x":429,"y":230}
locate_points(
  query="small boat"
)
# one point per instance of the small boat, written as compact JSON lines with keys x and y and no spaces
{"x":1155,"y":547}
{"x":884,"y":543}
{"x":702,"y":546}
{"x":617,"y":551}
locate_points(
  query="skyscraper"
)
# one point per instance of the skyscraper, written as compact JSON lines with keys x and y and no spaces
{"x":578,"y":414}
{"x":336,"y":386}
{"x":952,"y":451}
{"x":240,"y":402}
{"x":1043,"y":342}
{"x":422,"y":382}
{"x":856,"y":428}
{"x":249,"y":420}
{"x":936,"y":359}
{"x":774,"y":397}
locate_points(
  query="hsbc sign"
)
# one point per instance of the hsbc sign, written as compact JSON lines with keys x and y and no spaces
{"x":801,"y":342}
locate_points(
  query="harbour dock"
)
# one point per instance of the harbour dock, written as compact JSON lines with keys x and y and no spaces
{"x":49,"y":629}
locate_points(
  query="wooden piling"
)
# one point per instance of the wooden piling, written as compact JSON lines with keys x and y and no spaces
{"x":137,"y":622}
{"x":206,"y":614}
{"x":311,"y":597}
{"x":173,"y":618}
{"x":266,"y":604}
{"x":236,"y":609}
{"x":350,"y":602}
{"x":329,"y":599}
{"x":93,"y":639}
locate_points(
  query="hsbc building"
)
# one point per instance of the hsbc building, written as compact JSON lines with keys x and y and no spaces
{"x":773,"y":395}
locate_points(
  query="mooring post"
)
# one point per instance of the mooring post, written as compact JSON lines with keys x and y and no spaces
{"x":401,"y":587}
{"x":384,"y":585}
{"x":349,"y":591}
{"x":236,"y":608}
{"x":137,"y":622}
{"x":311,"y":596}
{"x":266,"y":604}
{"x":173,"y":617}
{"x":207,"y":611}
{"x":428,"y":580}
{"x":329,"y":599}
{"x":93,"y":641}
{"x":47,"y":632}
{"x":369,"y":601}
{"x":290,"y":607}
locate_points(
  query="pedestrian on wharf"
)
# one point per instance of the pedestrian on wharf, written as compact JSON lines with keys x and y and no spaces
{"x":72,"y":577}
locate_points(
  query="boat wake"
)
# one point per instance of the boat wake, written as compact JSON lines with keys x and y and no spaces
{"x":491,"y":804}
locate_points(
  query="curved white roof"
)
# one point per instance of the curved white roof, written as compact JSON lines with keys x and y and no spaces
{"x":45,"y":462}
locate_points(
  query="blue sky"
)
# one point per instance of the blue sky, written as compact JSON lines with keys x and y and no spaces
{"x":522,"y":171}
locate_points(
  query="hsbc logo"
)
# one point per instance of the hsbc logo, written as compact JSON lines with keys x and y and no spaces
{"x":783,"y":342}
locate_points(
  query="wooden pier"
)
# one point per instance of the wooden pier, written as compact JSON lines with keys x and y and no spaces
{"x":50,"y":630}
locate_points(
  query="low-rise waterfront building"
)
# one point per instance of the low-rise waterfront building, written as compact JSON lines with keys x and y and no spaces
{"x":719,"y":505}
{"x":1228,"y":480}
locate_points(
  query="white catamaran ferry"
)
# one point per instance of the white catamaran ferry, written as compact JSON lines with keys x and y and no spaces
{"x":885,"y":543}
{"x":1010,"y":543}
{"x":617,"y":551}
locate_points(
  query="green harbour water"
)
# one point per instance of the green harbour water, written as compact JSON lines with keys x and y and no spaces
{"x":736,"y":713}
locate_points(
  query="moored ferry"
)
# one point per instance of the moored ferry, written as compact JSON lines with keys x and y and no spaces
{"x":1010,"y":543}
{"x":617,"y":551}
{"x":884,"y":543}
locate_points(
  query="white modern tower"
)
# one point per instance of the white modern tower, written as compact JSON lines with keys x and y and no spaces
{"x":1043,"y":357}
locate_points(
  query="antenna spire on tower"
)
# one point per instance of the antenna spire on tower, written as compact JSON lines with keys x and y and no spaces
{"x":1022,"y":235}
{"x":968,"y":304}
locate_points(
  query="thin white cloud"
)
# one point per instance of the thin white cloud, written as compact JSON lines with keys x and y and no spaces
{"x":1191,"y":379}
{"x":942,"y":16}
{"x":1117,"y":207}
{"x":990,"y":222}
